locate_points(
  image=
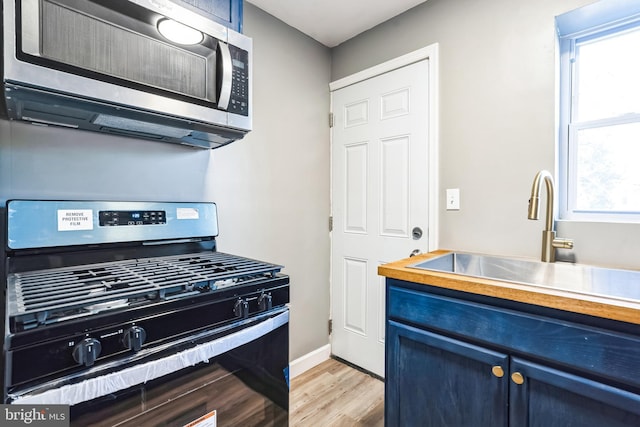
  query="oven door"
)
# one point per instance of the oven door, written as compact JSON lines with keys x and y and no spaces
{"x":238,"y":379}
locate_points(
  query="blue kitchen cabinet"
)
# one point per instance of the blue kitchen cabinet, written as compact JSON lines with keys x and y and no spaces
{"x":552,"y":398}
{"x":435,"y":381}
{"x":458,"y":359}
{"x":226,"y":12}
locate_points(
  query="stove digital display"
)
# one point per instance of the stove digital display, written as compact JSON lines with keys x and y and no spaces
{"x":116,"y":218}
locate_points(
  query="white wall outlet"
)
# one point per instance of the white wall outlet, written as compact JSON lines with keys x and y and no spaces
{"x":453,"y":199}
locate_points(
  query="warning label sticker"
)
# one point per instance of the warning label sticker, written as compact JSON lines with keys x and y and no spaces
{"x":207,"y":420}
{"x":75,"y":219}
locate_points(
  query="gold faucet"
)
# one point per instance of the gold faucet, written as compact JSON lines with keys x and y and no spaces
{"x":549,"y":240}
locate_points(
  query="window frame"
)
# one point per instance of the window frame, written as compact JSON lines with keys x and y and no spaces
{"x":599,"y":20}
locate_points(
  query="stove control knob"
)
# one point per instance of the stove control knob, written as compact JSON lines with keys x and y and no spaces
{"x":241,"y":308}
{"x":134,"y":337}
{"x":87,"y":351}
{"x":265,"y":302}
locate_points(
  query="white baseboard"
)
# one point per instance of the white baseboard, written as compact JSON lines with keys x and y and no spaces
{"x":309,"y":360}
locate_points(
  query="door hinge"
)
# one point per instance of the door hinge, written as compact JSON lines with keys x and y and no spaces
{"x":330,"y":120}
{"x":330,"y":326}
{"x":330,"y":223}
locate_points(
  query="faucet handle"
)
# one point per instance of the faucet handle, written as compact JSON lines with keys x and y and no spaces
{"x":561,"y":243}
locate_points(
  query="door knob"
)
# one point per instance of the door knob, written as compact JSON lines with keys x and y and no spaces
{"x":414,"y":252}
{"x":416,"y":233}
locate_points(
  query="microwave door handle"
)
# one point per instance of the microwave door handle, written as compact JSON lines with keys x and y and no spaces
{"x":226,"y":68}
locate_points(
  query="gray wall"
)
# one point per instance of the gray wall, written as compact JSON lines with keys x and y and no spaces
{"x":38,"y":162}
{"x":497,"y":120}
{"x":272,"y":188}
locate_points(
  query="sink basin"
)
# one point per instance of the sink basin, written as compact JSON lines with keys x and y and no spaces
{"x":585,"y":279}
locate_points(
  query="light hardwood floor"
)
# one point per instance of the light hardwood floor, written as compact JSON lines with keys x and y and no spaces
{"x":337,"y":395}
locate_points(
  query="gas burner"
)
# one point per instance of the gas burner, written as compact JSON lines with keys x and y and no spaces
{"x":52,"y":295}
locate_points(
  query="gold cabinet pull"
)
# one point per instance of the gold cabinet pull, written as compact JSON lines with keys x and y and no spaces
{"x":517,"y":378}
{"x":497,"y":371}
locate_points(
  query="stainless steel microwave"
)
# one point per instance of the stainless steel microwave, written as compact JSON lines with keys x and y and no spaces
{"x":110,"y":66}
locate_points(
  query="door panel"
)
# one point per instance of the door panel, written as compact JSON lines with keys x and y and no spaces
{"x":356,"y":184}
{"x":379,"y":195}
{"x":355,"y":289}
{"x":434,"y":381}
{"x":394,"y":196}
{"x":395,"y":104}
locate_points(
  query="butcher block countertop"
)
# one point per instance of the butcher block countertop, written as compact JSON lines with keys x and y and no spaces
{"x":592,"y":305}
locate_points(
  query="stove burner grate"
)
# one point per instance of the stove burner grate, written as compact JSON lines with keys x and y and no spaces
{"x":45,"y":296}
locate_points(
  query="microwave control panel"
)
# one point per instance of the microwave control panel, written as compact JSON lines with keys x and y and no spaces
{"x":239,"y":101}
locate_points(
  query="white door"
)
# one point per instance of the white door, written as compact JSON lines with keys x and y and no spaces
{"x":380,"y":183}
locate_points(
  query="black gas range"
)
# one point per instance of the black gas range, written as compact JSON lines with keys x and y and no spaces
{"x":107,"y":299}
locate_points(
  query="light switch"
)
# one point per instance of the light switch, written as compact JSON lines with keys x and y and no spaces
{"x":453,"y":199}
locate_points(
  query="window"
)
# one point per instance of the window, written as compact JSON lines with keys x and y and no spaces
{"x":599,"y":158}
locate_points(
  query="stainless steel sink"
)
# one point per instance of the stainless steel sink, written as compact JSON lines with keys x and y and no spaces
{"x":624,"y":284}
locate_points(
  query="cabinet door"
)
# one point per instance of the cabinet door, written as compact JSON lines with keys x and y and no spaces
{"x":433,"y":380}
{"x":226,"y":12}
{"x":549,"y":397}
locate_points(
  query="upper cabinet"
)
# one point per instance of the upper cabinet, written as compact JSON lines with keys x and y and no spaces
{"x":226,"y":12}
